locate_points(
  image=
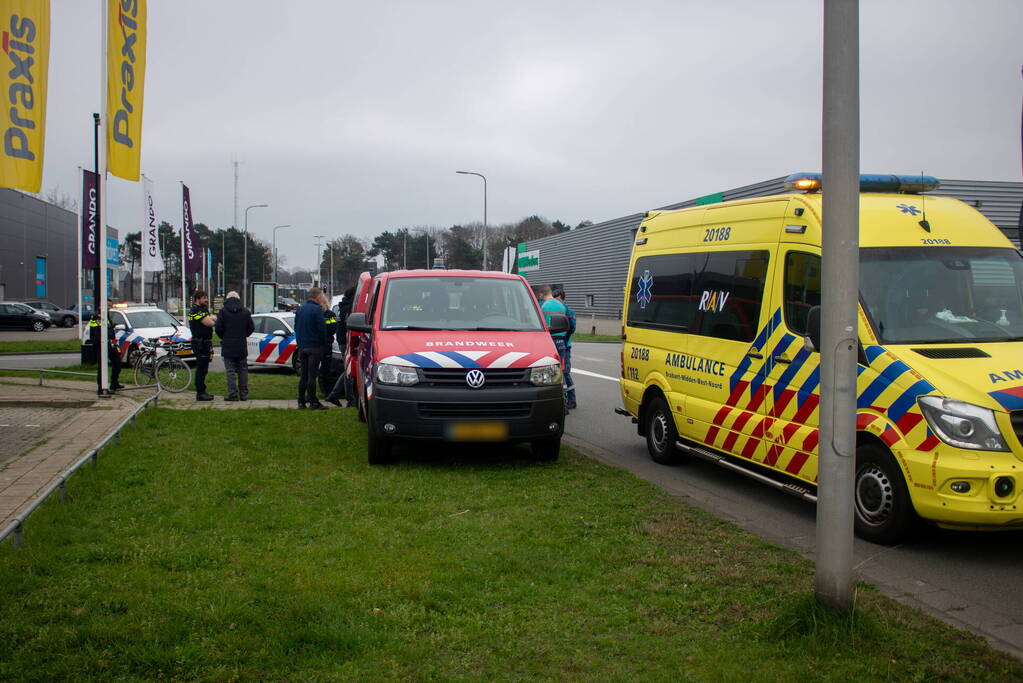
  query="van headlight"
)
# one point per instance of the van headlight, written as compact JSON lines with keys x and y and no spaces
{"x":545,"y":375}
{"x":962,"y":424}
{"x":396,"y":374}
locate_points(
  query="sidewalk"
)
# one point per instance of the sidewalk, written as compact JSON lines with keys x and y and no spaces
{"x":45,"y":429}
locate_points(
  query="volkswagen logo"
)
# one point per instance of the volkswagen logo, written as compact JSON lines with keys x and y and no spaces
{"x":475,"y":378}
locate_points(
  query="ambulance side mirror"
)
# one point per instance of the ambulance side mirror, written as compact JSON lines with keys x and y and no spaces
{"x":812,"y":340}
{"x":357,"y":323}
{"x":558,"y":324}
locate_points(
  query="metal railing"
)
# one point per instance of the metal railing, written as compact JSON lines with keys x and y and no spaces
{"x":67,"y":372}
{"x":14,"y":529}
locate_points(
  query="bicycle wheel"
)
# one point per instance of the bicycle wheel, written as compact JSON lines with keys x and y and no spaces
{"x":144,"y":373}
{"x":173,"y":374}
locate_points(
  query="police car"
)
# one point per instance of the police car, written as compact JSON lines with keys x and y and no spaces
{"x":273,"y":345}
{"x":135,"y":323}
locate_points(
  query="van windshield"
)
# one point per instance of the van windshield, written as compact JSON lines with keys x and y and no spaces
{"x":921,"y":295}
{"x":459,"y":303}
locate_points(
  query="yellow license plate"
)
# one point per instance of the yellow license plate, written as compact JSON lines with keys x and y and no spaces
{"x":477,"y":431}
{"x":185,"y":352}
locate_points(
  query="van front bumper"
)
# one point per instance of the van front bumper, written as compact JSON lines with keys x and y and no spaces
{"x":518,"y":413}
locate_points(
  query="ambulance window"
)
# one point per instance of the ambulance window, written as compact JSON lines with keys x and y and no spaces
{"x":661,"y":295}
{"x":728,"y":293}
{"x":802,"y":288}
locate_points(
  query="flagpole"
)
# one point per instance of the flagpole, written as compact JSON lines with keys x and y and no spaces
{"x":101,"y":181}
{"x":184,"y":290}
{"x":78,"y":226}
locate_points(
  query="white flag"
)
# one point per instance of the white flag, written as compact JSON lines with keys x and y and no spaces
{"x":152,"y":259}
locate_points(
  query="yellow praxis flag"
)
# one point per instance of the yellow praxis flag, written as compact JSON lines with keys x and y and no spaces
{"x":126,"y":77}
{"x":26,"y":42}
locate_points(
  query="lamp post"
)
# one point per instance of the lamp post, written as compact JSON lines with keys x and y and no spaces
{"x":245,"y":254}
{"x":276,"y":228}
{"x":319,"y":261}
{"x":484,"y":212}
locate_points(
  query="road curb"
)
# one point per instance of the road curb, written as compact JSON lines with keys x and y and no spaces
{"x":37,"y":353}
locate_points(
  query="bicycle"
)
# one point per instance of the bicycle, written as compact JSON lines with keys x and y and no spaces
{"x":157,"y":362}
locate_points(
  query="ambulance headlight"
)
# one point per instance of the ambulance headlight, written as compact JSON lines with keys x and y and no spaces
{"x":962,"y":424}
{"x":545,"y":375}
{"x":397,"y":374}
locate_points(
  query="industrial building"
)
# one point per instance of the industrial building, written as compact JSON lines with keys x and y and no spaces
{"x":591,"y":263}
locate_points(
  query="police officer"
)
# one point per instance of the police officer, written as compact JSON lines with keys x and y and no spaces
{"x":330,"y":320}
{"x":113,"y":352}
{"x":200,"y":322}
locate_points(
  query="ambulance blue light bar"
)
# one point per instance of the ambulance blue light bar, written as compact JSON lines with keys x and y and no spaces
{"x":869,"y":182}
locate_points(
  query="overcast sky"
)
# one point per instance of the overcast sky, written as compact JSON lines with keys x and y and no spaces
{"x":352,"y":117}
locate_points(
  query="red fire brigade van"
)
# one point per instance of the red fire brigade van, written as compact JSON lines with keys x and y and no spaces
{"x":456,"y":355}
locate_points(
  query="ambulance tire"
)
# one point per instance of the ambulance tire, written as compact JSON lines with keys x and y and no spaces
{"x":546,"y":450}
{"x":884,"y":512}
{"x":380,"y":447}
{"x":660,"y":433}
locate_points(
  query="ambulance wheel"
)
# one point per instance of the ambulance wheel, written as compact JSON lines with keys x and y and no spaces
{"x":546,"y":450}
{"x":884,"y":510}
{"x":660,"y":433}
{"x":379,"y":452}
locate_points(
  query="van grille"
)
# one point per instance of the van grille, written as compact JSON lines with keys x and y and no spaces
{"x":1016,"y":418}
{"x":954,"y":352}
{"x":475,"y":410}
{"x":442,"y":377}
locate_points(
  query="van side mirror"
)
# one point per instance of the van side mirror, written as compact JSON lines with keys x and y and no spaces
{"x":559,"y":323}
{"x":357,"y":322}
{"x":812,"y":340}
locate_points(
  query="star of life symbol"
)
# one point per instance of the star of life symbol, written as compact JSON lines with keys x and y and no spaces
{"x":475,"y":378}
{"x":646,"y":284}
{"x":908,"y":208}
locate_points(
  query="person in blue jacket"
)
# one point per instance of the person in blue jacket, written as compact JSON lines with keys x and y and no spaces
{"x":310,"y":337}
{"x":559,"y":294}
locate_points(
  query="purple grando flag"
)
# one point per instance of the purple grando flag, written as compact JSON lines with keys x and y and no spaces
{"x":90,"y":225}
{"x":193,"y":256}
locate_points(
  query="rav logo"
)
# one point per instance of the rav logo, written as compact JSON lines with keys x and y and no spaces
{"x":15,"y":139}
{"x":713,"y":301}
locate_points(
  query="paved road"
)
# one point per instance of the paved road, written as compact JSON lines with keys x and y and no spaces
{"x":970,"y":579}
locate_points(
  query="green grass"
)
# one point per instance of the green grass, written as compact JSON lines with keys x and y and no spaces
{"x":271,"y":383}
{"x":596,"y":337}
{"x":268,"y":549}
{"x":41,"y":345}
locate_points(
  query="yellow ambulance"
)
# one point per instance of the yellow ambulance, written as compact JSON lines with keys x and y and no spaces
{"x":719,"y":361}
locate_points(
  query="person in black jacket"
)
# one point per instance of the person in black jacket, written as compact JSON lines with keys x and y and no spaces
{"x":344,"y":383}
{"x":327,"y":361}
{"x":233,"y":326}
{"x":200,"y":323}
{"x":113,"y":351}
{"x":311,"y":337}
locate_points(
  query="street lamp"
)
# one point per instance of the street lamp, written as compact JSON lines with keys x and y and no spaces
{"x":319,"y":261}
{"x":276,"y":228}
{"x":484,"y":212}
{"x":245,"y":254}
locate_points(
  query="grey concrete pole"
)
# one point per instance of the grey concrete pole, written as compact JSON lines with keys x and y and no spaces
{"x":245,"y":254}
{"x":276,"y":228}
{"x":840,"y":285}
{"x":484,"y":212}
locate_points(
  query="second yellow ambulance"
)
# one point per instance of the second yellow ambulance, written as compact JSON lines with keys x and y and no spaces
{"x":719,"y":361}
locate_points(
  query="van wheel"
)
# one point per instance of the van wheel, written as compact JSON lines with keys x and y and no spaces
{"x":546,"y":450}
{"x":660,"y":433}
{"x":379,"y":451}
{"x":884,"y":511}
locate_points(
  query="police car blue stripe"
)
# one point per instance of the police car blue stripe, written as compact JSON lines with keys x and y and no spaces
{"x":903,"y":403}
{"x":462,"y":360}
{"x":264,"y":341}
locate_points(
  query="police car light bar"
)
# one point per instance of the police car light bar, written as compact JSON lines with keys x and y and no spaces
{"x":869,"y":182}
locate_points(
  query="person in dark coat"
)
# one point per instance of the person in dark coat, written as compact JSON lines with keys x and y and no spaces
{"x":200,"y":323}
{"x":310,"y":337}
{"x":113,"y":351}
{"x":233,"y":326}
{"x":344,"y":383}
{"x":327,"y":362}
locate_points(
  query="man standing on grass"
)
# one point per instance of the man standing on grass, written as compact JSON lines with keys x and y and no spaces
{"x":311,"y":337}
{"x":233,"y":326}
{"x":200,"y":322}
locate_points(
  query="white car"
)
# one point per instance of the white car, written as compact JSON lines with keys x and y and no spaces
{"x":132,"y":324}
{"x":273,"y":344}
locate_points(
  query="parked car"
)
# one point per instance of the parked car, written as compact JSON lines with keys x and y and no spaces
{"x":133,"y":324}
{"x":19,"y":316}
{"x":86,"y":311}
{"x":286,"y":303}
{"x":273,"y":345}
{"x":64,"y":317}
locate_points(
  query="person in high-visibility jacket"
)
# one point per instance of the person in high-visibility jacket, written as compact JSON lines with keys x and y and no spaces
{"x":113,"y":352}
{"x":330,"y":320}
{"x":200,"y":322}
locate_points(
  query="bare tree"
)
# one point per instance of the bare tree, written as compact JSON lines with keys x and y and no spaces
{"x":61,"y":199}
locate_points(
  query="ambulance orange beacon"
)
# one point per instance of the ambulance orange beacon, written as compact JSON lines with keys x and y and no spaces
{"x":455,"y":355}
{"x":720,"y":359}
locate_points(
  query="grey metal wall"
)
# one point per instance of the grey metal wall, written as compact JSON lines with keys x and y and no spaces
{"x":31,"y":227}
{"x":595,"y":260}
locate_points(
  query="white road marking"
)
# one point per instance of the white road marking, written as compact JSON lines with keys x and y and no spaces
{"x":592,"y":360}
{"x":31,"y":425}
{"x":577,"y":371}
